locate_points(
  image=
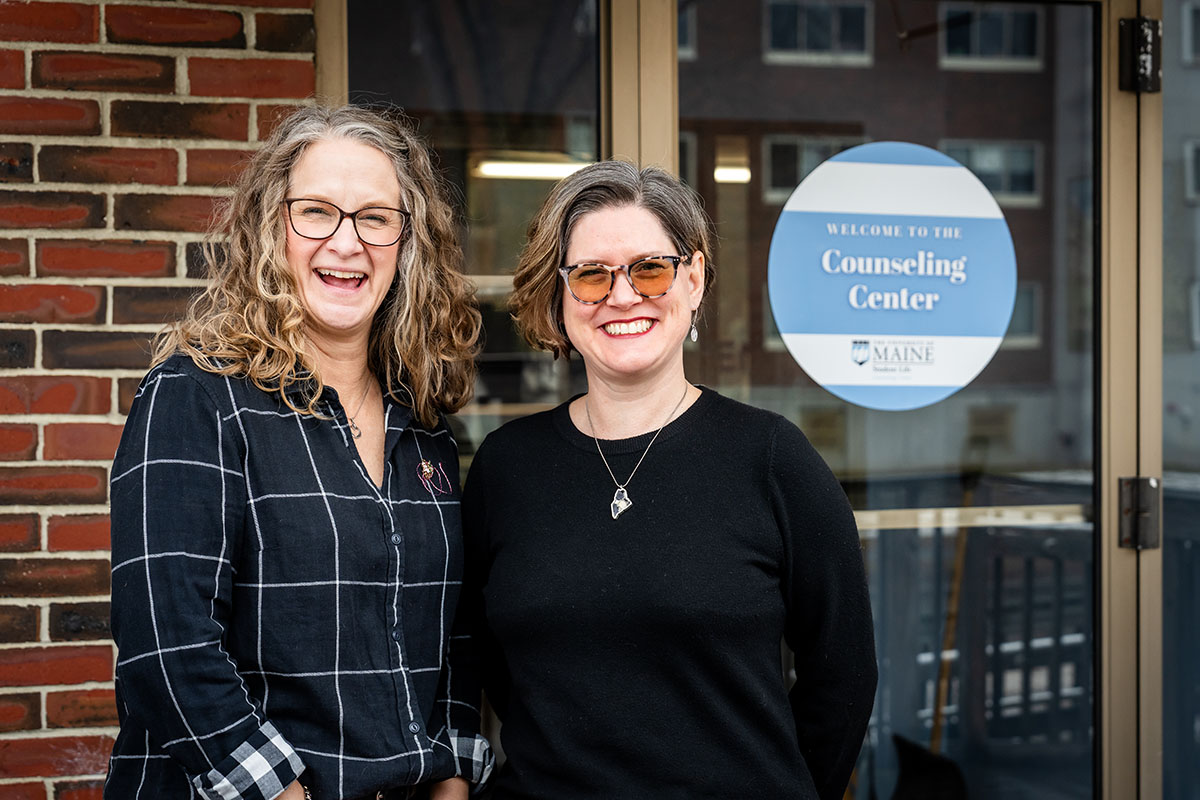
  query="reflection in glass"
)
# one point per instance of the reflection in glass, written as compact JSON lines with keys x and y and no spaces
{"x":507,"y":92}
{"x":980,"y":547}
{"x":1181,"y":400}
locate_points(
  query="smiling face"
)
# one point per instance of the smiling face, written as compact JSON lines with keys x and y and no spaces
{"x":627,"y":337}
{"x":340,"y":280}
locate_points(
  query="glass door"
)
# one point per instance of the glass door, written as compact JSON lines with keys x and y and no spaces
{"x":978,"y":513}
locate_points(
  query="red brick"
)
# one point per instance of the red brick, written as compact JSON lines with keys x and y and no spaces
{"x":79,"y":790}
{"x":19,"y":532}
{"x":54,"y":394}
{"x":270,"y":115}
{"x":251,"y":77}
{"x":180,"y":120}
{"x":107,"y":164}
{"x":179,"y":27}
{"x":82,"y":709}
{"x":20,"y":712}
{"x":18,"y":442}
{"x":50,"y":22}
{"x":14,"y":257}
{"x":51,"y":303}
{"x":103,"y":72}
{"x":126,"y":391}
{"x":150,"y":304}
{"x":53,"y":577}
{"x":51,"y":210}
{"x":64,"y":665}
{"x":24,"y":791}
{"x":12,"y":69}
{"x":285,"y":33}
{"x":19,"y":624}
{"x":16,"y":348}
{"x":16,"y":162}
{"x":96,"y":441}
{"x":30,"y":116}
{"x":79,"y":621}
{"x":163,"y":212}
{"x":52,"y":485}
{"x":95,"y":349}
{"x":79,"y":532}
{"x":216,"y":167}
{"x":61,"y":755}
{"x":107,"y":259}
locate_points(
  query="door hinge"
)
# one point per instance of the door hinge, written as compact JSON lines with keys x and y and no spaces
{"x":1141,"y":513}
{"x":1140,"y":55}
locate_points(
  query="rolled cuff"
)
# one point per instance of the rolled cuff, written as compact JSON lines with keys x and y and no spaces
{"x":473,"y":758}
{"x":259,"y":769}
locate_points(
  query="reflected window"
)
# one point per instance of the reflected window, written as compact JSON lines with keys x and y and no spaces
{"x":687,"y":30}
{"x":1191,"y":32}
{"x":1025,"y":329}
{"x":1191,"y":170}
{"x":990,"y":37}
{"x":687,"y":157}
{"x":1010,"y":170}
{"x":823,"y":33}
{"x":787,"y":160}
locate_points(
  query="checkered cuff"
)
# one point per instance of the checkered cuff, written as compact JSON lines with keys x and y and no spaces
{"x":473,"y":758}
{"x":260,"y":769}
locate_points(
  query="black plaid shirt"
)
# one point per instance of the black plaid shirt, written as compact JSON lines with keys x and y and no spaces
{"x":278,"y":615}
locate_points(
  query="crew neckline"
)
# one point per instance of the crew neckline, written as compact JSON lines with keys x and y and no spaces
{"x":681,"y":424}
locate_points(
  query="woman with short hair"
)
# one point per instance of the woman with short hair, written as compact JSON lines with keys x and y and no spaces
{"x":285,"y":517}
{"x":636,"y":555}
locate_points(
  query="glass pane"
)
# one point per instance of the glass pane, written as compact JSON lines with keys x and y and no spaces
{"x":783,"y":165}
{"x":958,"y":33}
{"x":991,"y":33}
{"x":818,"y":29}
{"x":852,"y":29}
{"x":504,"y":87}
{"x":984,"y":629}
{"x":1181,"y":407}
{"x":1024,"y":34}
{"x":784,"y":26}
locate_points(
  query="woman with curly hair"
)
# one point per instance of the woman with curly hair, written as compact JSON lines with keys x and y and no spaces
{"x":285,"y":518}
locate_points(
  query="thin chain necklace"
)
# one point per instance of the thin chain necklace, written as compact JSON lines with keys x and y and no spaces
{"x":621,"y":501}
{"x":355,"y":431}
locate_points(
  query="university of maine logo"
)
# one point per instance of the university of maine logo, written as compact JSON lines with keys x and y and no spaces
{"x":860,"y":351}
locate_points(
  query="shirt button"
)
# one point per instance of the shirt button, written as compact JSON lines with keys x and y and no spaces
{"x":396,"y":538}
{"x":396,"y":635}
{"x":414,"y":727}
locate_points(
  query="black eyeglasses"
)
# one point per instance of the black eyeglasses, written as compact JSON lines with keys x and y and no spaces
{"x":650,"y":277}
{"x":378,"y":226}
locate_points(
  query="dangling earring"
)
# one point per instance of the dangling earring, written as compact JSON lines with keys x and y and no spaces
{"x":695,"y":334}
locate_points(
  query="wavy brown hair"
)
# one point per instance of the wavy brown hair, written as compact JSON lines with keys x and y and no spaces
{"x":537,"y":297}
{"x":249,"y":321}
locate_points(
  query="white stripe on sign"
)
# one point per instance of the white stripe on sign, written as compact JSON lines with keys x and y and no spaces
{"x":892,"y":360}
{"x":837,"y":187}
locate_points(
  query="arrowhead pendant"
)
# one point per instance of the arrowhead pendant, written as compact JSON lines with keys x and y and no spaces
{"x":620,"y":502}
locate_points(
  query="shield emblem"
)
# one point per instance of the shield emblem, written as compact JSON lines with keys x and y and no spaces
{"x":860,"y":351}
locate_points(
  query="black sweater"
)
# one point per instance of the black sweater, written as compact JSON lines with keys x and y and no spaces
{"x":640,"y":657}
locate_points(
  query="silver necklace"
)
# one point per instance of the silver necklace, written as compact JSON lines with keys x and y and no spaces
{"x":355,"y":431}
{"x":621,"y":500}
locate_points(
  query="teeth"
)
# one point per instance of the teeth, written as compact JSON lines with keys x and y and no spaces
{"x":337,"y":273}
{"x":626,"y":328}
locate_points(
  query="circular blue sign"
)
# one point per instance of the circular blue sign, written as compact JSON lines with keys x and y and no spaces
{"x":892,"y":275}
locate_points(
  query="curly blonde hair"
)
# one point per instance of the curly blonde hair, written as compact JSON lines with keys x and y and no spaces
{"x":537,"y":297}
{"x":249,"y":321}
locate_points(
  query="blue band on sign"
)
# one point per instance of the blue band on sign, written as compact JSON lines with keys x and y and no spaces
{"x":892,"y":275}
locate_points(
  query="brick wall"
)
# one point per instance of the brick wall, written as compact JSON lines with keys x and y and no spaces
{"x":120,"y":123}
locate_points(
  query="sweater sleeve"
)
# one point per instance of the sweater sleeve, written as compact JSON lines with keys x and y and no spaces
{"x":828,"y":627}
{"x":178,"y":499}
